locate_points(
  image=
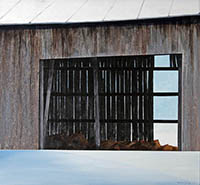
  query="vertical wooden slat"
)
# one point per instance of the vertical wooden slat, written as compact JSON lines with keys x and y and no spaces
{"x":70,"y":104}
{"x":129,"y":101}
{"x":171,"y":61}
{"x":76,"y":98}
{"x":55,"y":104}
{"x":148,"y":101}
{"x":90,"y":101}
{"x":151,"y":101}
{"x":65,"y":112}
{"x":109,"y":128}
{"x":83,"y":98}
{"x":96,"y":103}
{"x":118,"y":106}
{"x":67,"y":103}
{"x":145,"y":102}
{"x":140,"y":98}
{"x":46,"y":111}
{"x":113,"y":100}
{"x":126,"y":125}
{"x":135,"y":100}
{"x":123,"y":125}
{"x":133,"y":110}
{"x":80,"y":96}
{"x":50,"y":113}
{"x":179,"y":102}
{"x":61,"y":100}
{"x":58,"y":101}
{"x":124,"y":105}
{"x":101,"y":82}
{"x":41,"y":105}
{"x":106,"y":99}
{"x":143,"y":97}
{"x":116,"y":98}
{"x":87,"y":102}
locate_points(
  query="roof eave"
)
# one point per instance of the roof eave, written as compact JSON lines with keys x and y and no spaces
{"x":182,"y":19}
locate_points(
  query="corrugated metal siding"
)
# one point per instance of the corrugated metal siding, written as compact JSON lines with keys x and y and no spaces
{"x":68,"y":11}
{"x":21,"y":50}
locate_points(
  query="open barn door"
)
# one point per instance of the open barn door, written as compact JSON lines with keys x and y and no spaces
{"x":103,"y":98}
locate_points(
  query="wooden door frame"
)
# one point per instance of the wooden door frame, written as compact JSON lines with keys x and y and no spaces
{"x":43,"y":110}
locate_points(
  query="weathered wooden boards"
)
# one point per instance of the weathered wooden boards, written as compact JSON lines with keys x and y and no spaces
{"x":72,"y":97}
{"x":22,"y":48}
{"x":96,"y":102}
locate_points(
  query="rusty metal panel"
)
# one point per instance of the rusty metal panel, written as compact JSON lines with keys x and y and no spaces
{"x":21,"y":50}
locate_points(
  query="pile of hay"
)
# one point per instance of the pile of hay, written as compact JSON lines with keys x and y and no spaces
{"x":78,"y":142}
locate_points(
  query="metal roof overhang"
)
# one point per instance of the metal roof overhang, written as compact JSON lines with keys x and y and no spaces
{"x":185,"y":19}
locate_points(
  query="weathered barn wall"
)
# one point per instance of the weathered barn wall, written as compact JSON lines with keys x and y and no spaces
{"x":22,"y":48}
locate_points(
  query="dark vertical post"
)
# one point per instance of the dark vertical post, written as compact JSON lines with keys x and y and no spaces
{"x":145,"y":101}
{"x":109,"y":128}
{"x":140,"y":60}
{"x":135,"y":99}
{"x":113,"y":105}
{"x":46,"y":111}
{"x":128,"y":99}
{"x":96,"y":103}
{"x":70,"y":100}
{"x":117,"y":113}
{"x":151,"y":100}
{"x":61,"y":92}
{"x":90,"y":81}
{"x":83,"y":98}
{"x":87,"y":100}
{"x":41,"y":144}
{"x":179,"y":58}
{"x":76,"y":92}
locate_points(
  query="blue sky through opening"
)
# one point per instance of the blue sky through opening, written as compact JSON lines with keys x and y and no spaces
{"x":165,"y":107}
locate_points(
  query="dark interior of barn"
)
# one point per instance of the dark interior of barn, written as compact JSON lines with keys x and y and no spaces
{"x":102,"y":103}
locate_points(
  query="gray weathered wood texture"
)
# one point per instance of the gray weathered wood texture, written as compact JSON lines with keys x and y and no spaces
{"x":22,"y":48}
{"x":96,"y":103}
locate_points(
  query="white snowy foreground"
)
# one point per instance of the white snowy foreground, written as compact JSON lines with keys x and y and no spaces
{"x":99,"y":168}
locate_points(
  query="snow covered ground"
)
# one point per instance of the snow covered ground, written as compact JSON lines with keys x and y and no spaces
{"x":99,"y":168}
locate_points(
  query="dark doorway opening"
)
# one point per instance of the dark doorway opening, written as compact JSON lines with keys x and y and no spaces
{"x":103,"y":98}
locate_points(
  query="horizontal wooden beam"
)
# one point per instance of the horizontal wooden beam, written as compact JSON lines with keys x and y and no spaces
{"x":165,"y":121}
{"x":116,"y":68}
{"x":110,"y":120}
{"x":115,"y":94}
